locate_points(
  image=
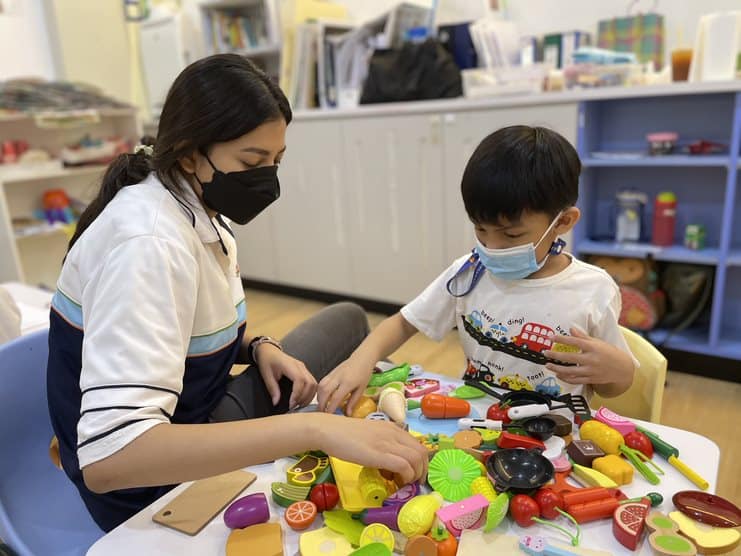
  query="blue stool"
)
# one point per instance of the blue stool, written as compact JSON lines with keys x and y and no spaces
{"x":41,"y":512}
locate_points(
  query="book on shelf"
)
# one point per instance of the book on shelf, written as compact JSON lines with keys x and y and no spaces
{"x":232,"y":31}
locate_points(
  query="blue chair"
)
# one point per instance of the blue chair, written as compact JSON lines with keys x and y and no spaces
{"x":41,"y":512}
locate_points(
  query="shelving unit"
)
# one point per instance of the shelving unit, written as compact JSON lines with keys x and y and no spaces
{"x":254,"y":31}
{"x":705,"y":187}
{"x":36,"y":257}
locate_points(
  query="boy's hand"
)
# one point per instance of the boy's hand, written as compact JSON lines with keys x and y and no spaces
{"x":349,"y":377}
{"x":598,"y":363}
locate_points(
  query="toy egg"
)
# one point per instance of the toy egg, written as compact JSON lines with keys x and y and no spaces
{"x":417,"y":515}
{"x":246,"y":511}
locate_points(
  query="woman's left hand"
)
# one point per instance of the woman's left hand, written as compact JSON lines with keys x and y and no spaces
{"x":597,"y":363}
{"x":274,"y":364}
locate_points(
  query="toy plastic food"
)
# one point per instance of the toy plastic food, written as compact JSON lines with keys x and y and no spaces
{"x":394,"y":404}
{"x":466,"y":392}
{"x":498,"y":413}
{"x":403,"y":495}
{"x":612,"y":419}
{"x":498,"y":503}
{"x":246,"y":511}
{"x":421,"y":386}
{"x":435,"y":406}
{"x":372,"y":549}
{"x":548,"y":500}
{"x":451,"y":473}
{"x":377,"y":533}
{"x":325,"y":496}
{"x":708,"y":508}
{"x":591,"y":477}
{"x":639,"y":441}
{"x":564,"y":426}
{"x":628,"y":521}
{"x":607,"y":438}
{"x":584,"y":452}
{"x":417,"y":515}
{"x":387,"y":515}
{"x":447,"y":545}
{"x":589,"y":504}
{"x":284,"y":494}
{"x":614,"y":467}
{"x":324,"y":542}
{"x":306,"y":471}
{"x":397,"y":374}
{"x":300,"y":515}
{"x":665,"y":538}
{"x":467,"y":440}
{"x":466,"y":514}
{"x":709,"y":540}
{"x":523,"y":509}
{"x":264,"y":538}
{"x":419,"y":545}
{"x":510,"y":440}
{"x":363,"y":408}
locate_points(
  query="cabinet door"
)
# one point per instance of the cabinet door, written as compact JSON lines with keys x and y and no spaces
{"x":310,"y":218}
{"x":393,"y":169}
{"x":256,"y":247}
{"x":463,"y":132}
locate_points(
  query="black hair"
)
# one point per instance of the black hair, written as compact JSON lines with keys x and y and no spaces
{"x":520,"y":169}
{"x":213,"y":100}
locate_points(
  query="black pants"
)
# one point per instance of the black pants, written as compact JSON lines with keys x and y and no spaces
{"x":321,"y":343}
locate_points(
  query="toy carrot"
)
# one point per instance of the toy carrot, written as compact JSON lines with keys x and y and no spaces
{"x":435,"y":406}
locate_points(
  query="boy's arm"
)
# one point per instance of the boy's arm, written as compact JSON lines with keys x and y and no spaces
{"x":352,"y":375}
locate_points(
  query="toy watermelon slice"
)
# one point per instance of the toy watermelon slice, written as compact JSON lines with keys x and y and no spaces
{"x":628,"y":522}
{"x":466,"y":514}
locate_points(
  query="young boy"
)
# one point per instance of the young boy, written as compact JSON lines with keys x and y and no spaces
{"x":517,"y":296}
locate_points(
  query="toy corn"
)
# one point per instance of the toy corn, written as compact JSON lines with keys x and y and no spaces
{"x":607,"y":438}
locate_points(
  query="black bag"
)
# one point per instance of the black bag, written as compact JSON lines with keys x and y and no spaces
{"x":688,"y":290}
{"x":419,"y":71}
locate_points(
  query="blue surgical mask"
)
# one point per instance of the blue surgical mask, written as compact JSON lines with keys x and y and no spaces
{"x":516,"y":263}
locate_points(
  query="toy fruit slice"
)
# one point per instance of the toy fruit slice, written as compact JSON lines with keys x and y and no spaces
{"x":498,"y":504}
{"x":377,"y":533}
{"x":451,"y":473}
{"x":403,"y":495}
{"x":628,"y":522}
{"x":284,"y":494}
{"x":324,"y":541}
{"x":301,"y":515}
{"x":466,"y":514}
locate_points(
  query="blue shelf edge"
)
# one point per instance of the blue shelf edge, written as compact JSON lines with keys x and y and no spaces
{"x":718,"y":161}
{"x":734,"y":258}
{"x":675,"y":253}
{"x":692,"y":340}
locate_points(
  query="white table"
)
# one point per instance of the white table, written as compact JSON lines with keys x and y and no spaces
{"x":140,"y":535}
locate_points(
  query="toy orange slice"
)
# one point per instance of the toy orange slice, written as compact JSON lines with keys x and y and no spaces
{"x":301,"y":515}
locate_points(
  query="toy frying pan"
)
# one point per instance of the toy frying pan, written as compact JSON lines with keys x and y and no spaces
{"x":515,"y":398}
{"x":519,"y":469}
{"x":707,"y":508}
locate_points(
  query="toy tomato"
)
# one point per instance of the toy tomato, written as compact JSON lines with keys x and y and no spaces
{"x":639,"y":441}
{"x":522,"y":508}
{"x":497,"y":413}
{"x":325,"y":496}
{"x":548,"y":500}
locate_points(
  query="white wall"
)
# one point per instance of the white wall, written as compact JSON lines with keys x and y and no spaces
{"x":24,"y":41}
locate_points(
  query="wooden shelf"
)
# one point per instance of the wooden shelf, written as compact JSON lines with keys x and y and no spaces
{"x":19,"y":173}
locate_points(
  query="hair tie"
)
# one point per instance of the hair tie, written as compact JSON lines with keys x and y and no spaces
{"x":148,"y":150}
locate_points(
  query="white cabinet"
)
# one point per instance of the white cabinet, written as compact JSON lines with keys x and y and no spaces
{"x":394,"y":176}
{"x":463,"y":131}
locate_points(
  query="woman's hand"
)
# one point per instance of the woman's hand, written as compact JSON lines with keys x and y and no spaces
{"x":349,"y":377}
{"x":378,"y":444}
{"x":274,"y":364}
{"x":607,"y":367}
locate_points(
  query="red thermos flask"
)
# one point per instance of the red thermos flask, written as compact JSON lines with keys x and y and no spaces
{"x":665,"y":219}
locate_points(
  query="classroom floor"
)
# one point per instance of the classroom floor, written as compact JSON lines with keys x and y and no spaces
{"x":702,"y":405}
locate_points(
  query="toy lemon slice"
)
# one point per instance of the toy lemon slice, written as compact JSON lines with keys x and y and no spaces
{"x":324,"y":542}
{"x":377,"y":533}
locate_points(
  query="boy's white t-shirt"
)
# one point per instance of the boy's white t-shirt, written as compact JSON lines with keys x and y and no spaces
{"x":521,"y":315}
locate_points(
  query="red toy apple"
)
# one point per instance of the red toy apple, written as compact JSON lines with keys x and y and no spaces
{"x":523,"y":509}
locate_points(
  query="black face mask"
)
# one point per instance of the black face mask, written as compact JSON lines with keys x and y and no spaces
{"x":240,"y":196}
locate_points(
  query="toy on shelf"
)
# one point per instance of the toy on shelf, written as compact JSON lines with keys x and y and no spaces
{"x":519,"y":469}
{"x":284,"y":494}
{"x":57,"y":207}
{"x":665,"y":538}
{"x":264,"y":539}
{"x":671,"y":454}
{"x":246,"y":511}
{"x":420,"y":386}
{"x":451,"y":473}
{"x":435,"y":406}
{"x":395,"y":374}
{"x":709,"y":540}
{"x":612,"y":419}
{"x":308,"y":470}
{"x":628,"y":521}
{"x":325,"y":496}
{"x":377,"y":533}
{"x":469,"y":513}
{"x":614,"y":467}
{"x":300,"y":515}
{"x":707,"y":508}
{"x":417,"y":515}
{"x":322,"y":542}
{"x":393,"y":403}
{"x":93,"y":151}
{"x":403,"y":495}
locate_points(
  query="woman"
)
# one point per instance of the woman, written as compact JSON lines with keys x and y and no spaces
{"x":149,"y":314}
